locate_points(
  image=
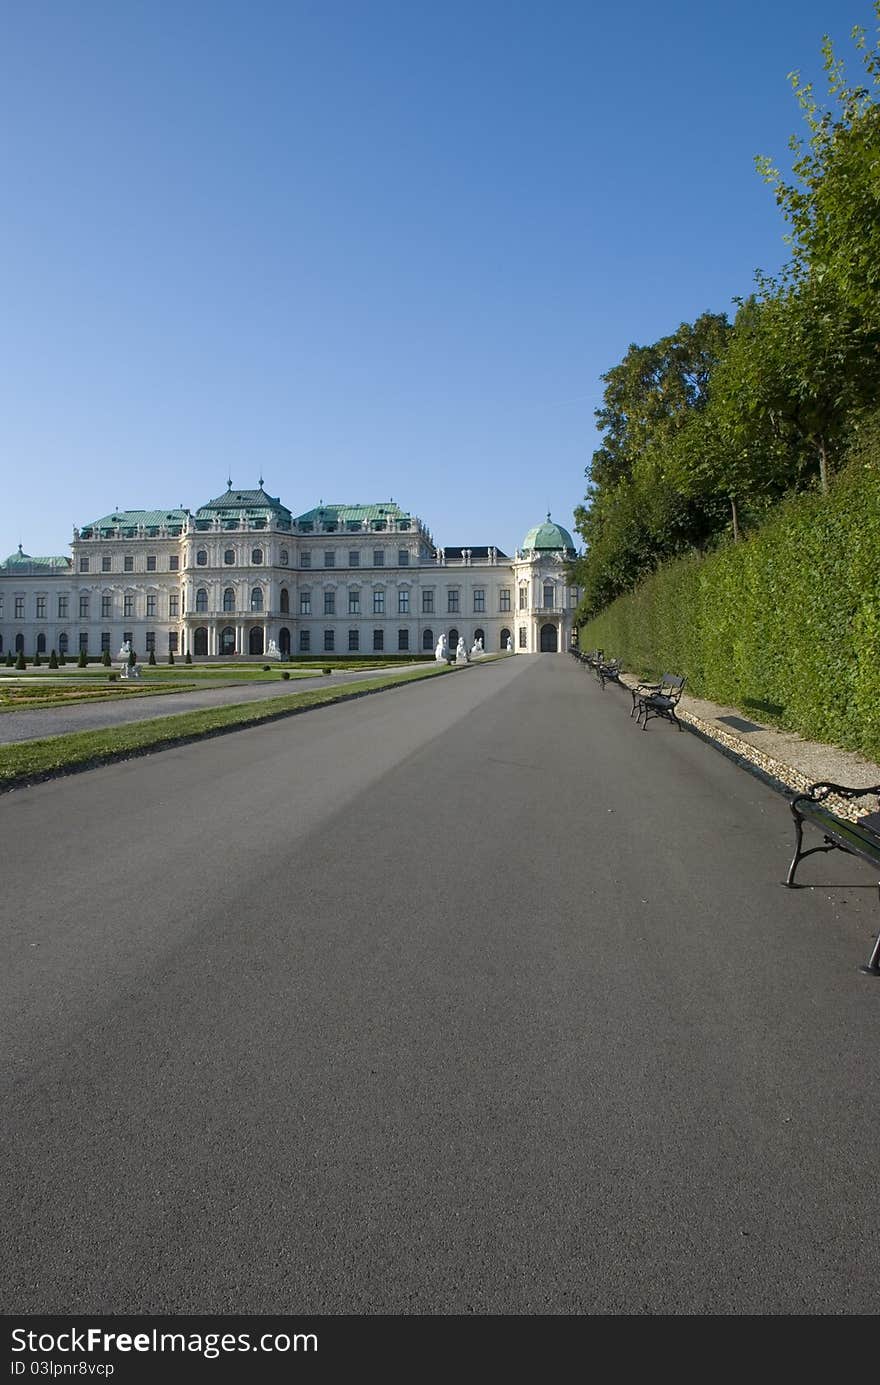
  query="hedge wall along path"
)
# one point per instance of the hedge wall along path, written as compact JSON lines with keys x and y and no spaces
{"x":785,"y":625}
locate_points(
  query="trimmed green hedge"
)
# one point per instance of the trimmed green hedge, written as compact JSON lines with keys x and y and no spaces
{"x":785,"y":625}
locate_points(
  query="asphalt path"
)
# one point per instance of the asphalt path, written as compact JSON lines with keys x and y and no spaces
{"x":470,"y":997}
{"x":24,"y":725}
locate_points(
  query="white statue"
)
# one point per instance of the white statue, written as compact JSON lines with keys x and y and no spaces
{"x":461,"y":654}
{"x":441,"y":653}
{"x":273,"y":652}
{"x":477,"y":649}
{"x":509,"y":645}
{"x":125,"y":651}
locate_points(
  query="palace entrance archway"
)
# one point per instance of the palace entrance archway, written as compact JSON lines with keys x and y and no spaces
{"x":549,"y":639}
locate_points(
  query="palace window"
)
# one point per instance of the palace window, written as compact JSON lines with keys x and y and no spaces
{"x":522,"y":637}
{"x":128,"y":606}
{"x":105,"y":642}
{"x":172,"y":641}
{"x":83,"y":564}
{"x":151,"y":605}
{"x":41,"y":608}
{"x":549,"y":595}
{"x":84,"y":641}
{"x":202,"y":557}
{"x":479,"y":601}
{"x":354,"y":603}
{"x":329,"y":641}
{"x":403,"y":639}
{"x":106,"y":605}
{"x":403,"y":603}
{"x":19,"y":607}
{"x":452,"y":606}
{"x":427,"y":639}
{"x":378,"y":640}
{"x":305,"y":603}
{"x":62,"y":608}
{"x":354,"y":641}
{"x":354,"y":558}
{"x":151,"y":641}
{"x":257,"y":599}
{"x":105,"y":564}
{"x":305,"y":641}
{"x":329,"y":603}
{"x":329,"y":557}
{"x":504,"y":599}
{"x":173,"y":604}
{"x":151,"y":562}
{"x":379,"y":603}
{"x":84,"y":608}
{"x":257,"y":556}
{"x":305,"y":558}
{"x":378,"y":557}
{"x":174,"y":563}
{"x":284,"y":557}
{"x":41,"y":644}
{"x":63,"y":643}
{"x":427,"y":603}
{"x":128,"y":563}
{"x":285,"y":601}
{"x":201,"y":600}
{"x":523,"y":597}
{"x":229,"y":557}
{"x":229,"y":599}
{"x":403,"y":557}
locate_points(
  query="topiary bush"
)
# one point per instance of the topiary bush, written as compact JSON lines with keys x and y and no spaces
{"x":189,"y":658}
{"x":152,"y":658}
{"x":53,"y":660}
{"x":326,"y":671}
{"x":82,"y":661}
{"x":62,"y":662}
{"x":105,"y":658}
{"x":20,"y":663}
{"x":785,"y":625}
{"x":37,"y":661}
{"x":112,"y":677}
{"x":285,"y":674}
{"x":171,"y":656}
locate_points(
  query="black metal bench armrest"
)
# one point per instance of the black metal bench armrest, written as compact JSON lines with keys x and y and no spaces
{"x":817,"y":793}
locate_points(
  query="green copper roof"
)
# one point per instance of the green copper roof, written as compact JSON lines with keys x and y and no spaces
{"x":234,"y":501}
{"x":24,"y":562}
{"x":382,"y":512}
{"x":131,"y":519}
{"x":548,"y":535}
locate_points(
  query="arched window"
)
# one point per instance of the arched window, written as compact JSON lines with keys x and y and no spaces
{"x":549,"y":595}
{"x":202,"y":557}
{"x":285,"y":601}
{"x":229,"y":557}
{"x":62,"y":643}
{"x":229,"y":599}
{"x":200,"y":642}
{"x":256,"y":556}
{"x":257,"y":601}
{"x":227,"y":641}
{"x":284,"y":557}
{"x":505,"y":636}
{"x":452,"y":641}
{"x":480,"y":635}
{"x":19,"y":644}
{"x":201,"y":599}
{"x":428,"y":639}
{"x":41,"y":644}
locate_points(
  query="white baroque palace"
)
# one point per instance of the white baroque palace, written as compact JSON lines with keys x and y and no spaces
{"x":242,"y":571}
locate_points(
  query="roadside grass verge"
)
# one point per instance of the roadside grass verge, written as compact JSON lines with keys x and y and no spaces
{"x":28,"y":699}
{"x":30,"y":761}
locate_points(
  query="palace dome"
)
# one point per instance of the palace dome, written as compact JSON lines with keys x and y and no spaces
{"x":549,"y":536}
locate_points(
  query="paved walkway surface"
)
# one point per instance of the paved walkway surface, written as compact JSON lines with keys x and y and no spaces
{"x":85,"y":716}
{"x":466,"y":998}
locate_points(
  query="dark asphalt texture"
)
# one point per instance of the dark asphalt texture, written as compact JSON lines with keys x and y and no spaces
{"x":466,"y":998}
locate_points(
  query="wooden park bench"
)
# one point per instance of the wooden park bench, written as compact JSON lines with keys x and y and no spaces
{"x":658,"y":699}
{"x":861,"y":838}
{"x":608,"y":671}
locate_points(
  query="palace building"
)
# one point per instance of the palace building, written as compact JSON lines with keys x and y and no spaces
{"x":242,"y":571}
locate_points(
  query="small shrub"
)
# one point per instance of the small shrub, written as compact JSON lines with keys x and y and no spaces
{"x":105,"y":658}
{"x":267,"y":668}
{"x":62,"y":662}
{"x":171,"y":656}
{"x":132,"y":658}
{"x":112,"y":677}
{"x":152,"y":658}
{"x":82,"y":661}
{"x":20,"y":661}
{"x":326,"y":671}
{"x":285,"y":674}
{"x":37,"y":661}
{"x":189,"y":658}
{"x":53,"y":660}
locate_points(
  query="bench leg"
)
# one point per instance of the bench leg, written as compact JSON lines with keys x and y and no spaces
{"x":799,"y":838}
{"x":872,"y":967}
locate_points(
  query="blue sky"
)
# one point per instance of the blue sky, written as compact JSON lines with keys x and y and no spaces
{"x":367,"y":250}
